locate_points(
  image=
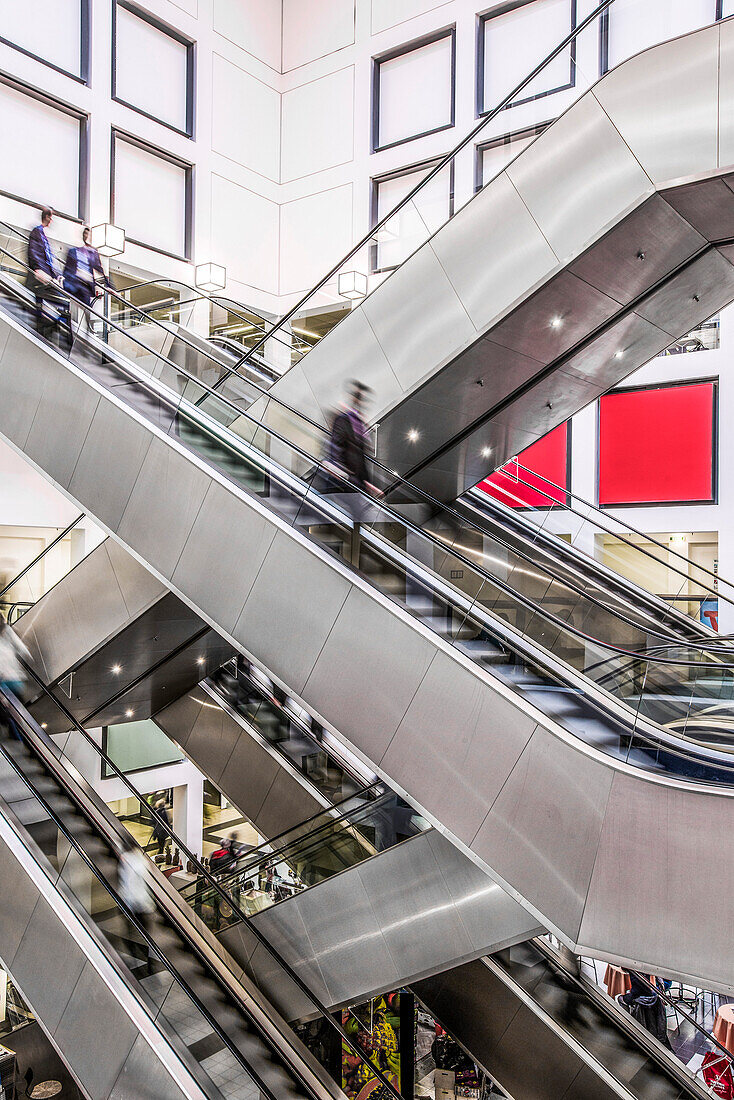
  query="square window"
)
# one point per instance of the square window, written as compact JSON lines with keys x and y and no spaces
{"x":516,"y":38}
{"x":495,"y":155}
{"x":417,"y":221}
{"x":414,"y":91}
{"x":163,"y":87}
{"x":628,"y":34}
{"x":55,"y":32}
{"x":151,"y":196}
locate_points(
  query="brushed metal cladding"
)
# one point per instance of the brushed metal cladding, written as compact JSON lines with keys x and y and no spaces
{"x":554,"y":796}
{"x":578,"y":177}
{"x":655,"y":231}
{"x":272,"y":797}
{"x":44,"y":445}
{"x":706,"y":205}
{"x":541,"y":831}
{"x":445,"y":326}
{"x":243,"y":544}
{"x":676,"y":135}
{"x":502,"y":231}
{"x":691,"y":296}
{"x":726,"y":93}
{"x":108,"y":498}
{"x":363,"y":932}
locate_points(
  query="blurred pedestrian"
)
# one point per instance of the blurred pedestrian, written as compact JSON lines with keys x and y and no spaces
{"x":348,"y":452}
{"x":45,"y":278}
{"x":13,"y":675}
{"x":132,"y":880}
{"x":162,"y":824}
{"x":84,"y":276}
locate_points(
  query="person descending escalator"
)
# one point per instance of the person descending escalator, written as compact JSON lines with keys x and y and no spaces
{"x":132,"y":879}
{"x":162,"y":826}
{"x":347,"y":454}
{"x":646,"y":1006}
{"x":12,"y":673}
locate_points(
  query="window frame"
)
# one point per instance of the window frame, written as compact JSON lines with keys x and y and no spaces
{"x":82,"y":77}
{"x":387,"y":177}
{"x":82,"y":118}
{"x":713,"y":381}
{"x":400,"y":51}
{"x":604,"y":34}
{"x":512,"y":5}
{"x":177,"y":36}
{"x":162,"y":154}
{"x":503,"y":139}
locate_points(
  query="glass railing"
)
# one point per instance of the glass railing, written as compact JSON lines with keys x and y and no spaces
{"x":287,"y":729}
{"x":78,"y":749}
{"x":651,"y":565}
{"x":436,"y":580}
{"x":36,"y":577}
{"x":428,"y":205}
{"x":325,"y":845}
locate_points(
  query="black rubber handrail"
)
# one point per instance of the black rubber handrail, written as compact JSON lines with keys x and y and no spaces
{"x":19,"y":717}
{"x":431,"y":175}
{"x":42,"y":555}
{"x":202,"y":870}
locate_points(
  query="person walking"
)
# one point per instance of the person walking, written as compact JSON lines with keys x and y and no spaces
{"x":45,"y":277}
{"x":132,"y":882}
{"x":162,"y":825}
{"x":12,"y":673}
{"x":84,"y":276}
{"x":347,"y":454}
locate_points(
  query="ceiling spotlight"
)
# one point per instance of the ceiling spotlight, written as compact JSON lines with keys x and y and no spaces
{"x":486,"y":452}
{"x":129,"y":713}
{"x":44,"y":725}
{"x":556,"y":322}
{"x":200,"y":660}
{"x":413,"y":435}
{"x":116,"y":669}
{"x":619,"y":354}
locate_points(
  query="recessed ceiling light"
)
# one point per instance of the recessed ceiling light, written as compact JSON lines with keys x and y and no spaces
{"x":44,"y":725}
{"x":619,"y":354}
{"x":556,"y":322}
{"x":117,"y":669}
{"x":486,"y":452}
{"x":413,"y":435}
{"x":200,"y":660}
{"x":129,"y":713}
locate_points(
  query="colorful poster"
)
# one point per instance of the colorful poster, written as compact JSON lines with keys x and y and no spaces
{"x":375,"y":1028}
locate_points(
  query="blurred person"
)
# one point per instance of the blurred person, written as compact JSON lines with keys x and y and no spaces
{"x":13,"y":675}
{"x":132,"y":880}
{"x":348,"y":451}
{"x":162,"y":824}
{"x":84,"y":276}
{"x":645,"y":1005}
{"x":46,"y":278}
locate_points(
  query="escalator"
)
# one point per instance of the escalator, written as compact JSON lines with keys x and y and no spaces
{"x":471,"y":680}
{"x":227,"y":1033}
{"x":602,"y":242}
{"x":541,"y":1031}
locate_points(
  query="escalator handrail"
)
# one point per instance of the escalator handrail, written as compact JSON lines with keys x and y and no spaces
{"x":431,"y":175}
{"x":20,"y":718}
{"x":211,"y":390}
{"x":650,"y":538}
{"x":40,"y":556}
{"x":204,"y":872}
{"x":281,"y":853}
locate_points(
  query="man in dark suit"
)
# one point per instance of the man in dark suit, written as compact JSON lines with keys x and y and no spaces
{"x":84,"y":274}
{"x":45,"y":276}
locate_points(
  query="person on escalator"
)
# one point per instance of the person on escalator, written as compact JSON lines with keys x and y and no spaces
{"x":84,"y":276}
{"x":132,"y":881}
{"x":162,"y":825}
{"x":13,"y":675}
{"x":44,"y":278}
{"x":347,"y":455}
{"x":646,"y":1005}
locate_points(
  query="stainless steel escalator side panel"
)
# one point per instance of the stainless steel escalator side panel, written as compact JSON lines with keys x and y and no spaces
{"x":80,"y":998}
{"x":99,"y":598}
{"x":520,"y":795}
{"x":414,"y":910}
{"x":255,"y":779}
{"x":590,"y":181}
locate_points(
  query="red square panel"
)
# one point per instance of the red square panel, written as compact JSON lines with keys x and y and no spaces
{"x":656,"y":446}
{"x":548,"y":457}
